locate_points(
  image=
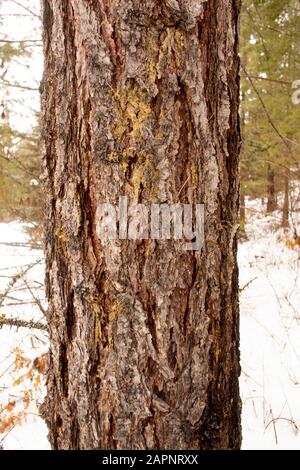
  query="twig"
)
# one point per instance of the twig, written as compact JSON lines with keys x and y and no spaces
{"x":20,"y":41}
{"x":16,"y":278}
{"x":23,"y":245}
{"x":35,"y":298}
{"x":274,"y":420}
{"x":22,"y":87}
{"x":241,"y":289}
{"x":33,"y":13}
{"x":4,"y":320}
{"x":255,"y":77}
{"x":285,"y":139}
{"x":182,"y":187}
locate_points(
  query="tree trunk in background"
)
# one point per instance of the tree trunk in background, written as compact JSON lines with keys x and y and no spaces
{"x":141,"y":99}
{"x":286,"y":201}
{"x":272,"y":202}
{"x":242,"y":231}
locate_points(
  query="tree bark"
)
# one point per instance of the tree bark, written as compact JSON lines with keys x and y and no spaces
{"x":140,"y":99}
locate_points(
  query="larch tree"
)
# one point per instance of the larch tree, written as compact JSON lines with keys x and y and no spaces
{"x":140,"y":99}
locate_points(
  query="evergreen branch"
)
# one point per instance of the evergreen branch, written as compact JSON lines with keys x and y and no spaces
{"x":19,"y":165}
{"x":295,"y":172}
{"x":258,"y":31}
{"x":284,"y":139}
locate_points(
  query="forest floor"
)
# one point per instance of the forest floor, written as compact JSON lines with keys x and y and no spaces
{"x":270,"y":332}
{"x":270,"y":336}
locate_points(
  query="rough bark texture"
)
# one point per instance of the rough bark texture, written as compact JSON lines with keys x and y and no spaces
{"x":140,"y":98}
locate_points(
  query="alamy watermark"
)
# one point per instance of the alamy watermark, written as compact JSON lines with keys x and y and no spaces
{"x":155,"y":222}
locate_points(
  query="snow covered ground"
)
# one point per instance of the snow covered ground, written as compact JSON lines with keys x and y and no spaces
{"x":21,"y":278}
{"x":270,"y":333}
{"x":270,"y":336}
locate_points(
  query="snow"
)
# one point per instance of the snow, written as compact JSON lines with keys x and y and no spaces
{"x":26,"y":71}
{"x":269,"y":301}
{"x":270,"y":333}
{"x":32,"y":433}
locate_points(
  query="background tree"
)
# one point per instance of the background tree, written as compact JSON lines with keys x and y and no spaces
{"x":141,"y":99}
{"x":270,"y":57}
{"x":21,"y":292}
{"x":20,"y":196}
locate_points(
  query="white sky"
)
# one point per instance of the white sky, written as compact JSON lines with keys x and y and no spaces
{"x":16,"y":23}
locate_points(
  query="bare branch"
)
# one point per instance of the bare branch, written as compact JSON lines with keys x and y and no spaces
{"x":256,"y":77}
{"x":3,"y":15}
{"x":16,"y":278}
{"x":17,"y":85}
{"x":17,"y":322}
{"x":241,"y":289}
{"x":284,"y":139}
{"x":34,"y":246}
{"x":21,"y":41}
{"x":33,"y":13}
{"x":37,"y":301}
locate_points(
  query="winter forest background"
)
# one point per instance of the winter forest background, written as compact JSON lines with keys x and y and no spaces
{"x":269,"y":226}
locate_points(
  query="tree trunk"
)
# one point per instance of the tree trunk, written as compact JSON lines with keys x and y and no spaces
{"x":286,"y":202}
{"x":140,"y":99}
{"x":242,"y":232}
{"x":272,"y":202}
